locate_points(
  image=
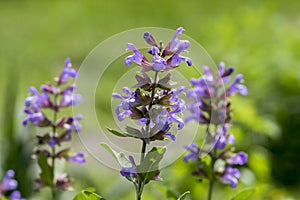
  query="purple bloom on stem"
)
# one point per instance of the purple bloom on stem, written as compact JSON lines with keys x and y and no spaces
{"x":67,"y":72}
{"x":70,"y":99}
{"x":173,"y":137}
{"x":73,"y":123}
{"x":130,"y":171}
{"x":137,"y":57}
{"x":8,"y":182}
{"x":79,"y":158}
{"x":173,"y":45}
{"x":35,"y":116}
{"x":231,"y":176}
{"x":193,"y":154}
{"x":159,"y":64}
{"x":235,"y":87}
{"x":52,"y":141}
{"x":16,"y":195}
{"x":126,"y":104}
{"x":150,"y":39}
{"x":238,"y":159}
{"x":40,"y":100}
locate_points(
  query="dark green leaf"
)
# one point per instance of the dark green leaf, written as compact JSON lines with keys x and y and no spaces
{"x":244,"y":194}
{"x":46,"y":174}
{"x":117,"y":133}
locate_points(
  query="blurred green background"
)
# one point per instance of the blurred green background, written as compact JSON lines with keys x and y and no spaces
{"x":260,"y":38}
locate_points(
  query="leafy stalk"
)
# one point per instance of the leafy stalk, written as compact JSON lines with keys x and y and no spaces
{"x":141,"y":183}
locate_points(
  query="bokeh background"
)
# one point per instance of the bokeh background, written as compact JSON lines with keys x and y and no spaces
{"x":260,"y":38}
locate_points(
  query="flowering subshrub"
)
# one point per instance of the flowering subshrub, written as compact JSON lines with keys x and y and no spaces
{"x":155,"y":105}
{"x":58,"y":128}
{"x":211,"y":108}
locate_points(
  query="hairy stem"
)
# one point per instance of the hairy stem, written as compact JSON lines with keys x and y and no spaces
{"x":140,"y":187}
{"x":211,"y":182}
{"x":53,"y":149}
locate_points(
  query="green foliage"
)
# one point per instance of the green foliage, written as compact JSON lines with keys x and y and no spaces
{"x":120,"y":157}
{"x":244,"y":194}
{"x":185,"y":196}
{"x":149,"y":168}
{"x":88,"y":194}
{"x":46,"y":170}
{"x":117,"y":133}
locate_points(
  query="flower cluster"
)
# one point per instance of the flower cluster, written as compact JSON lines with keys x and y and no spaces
{"x":9,"y":184}
{"x":154,"y":103}
{"x":211,"y":107}
{"x":52,"y":99}
{"x":163,"y":58}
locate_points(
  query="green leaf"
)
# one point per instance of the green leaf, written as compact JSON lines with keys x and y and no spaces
{"x":117,"y":133}
{"x":46,"y":170}
{"x":120,"y":157}
{"x":150,"y":166}
{"x":133,"y":132}
{"x":185,"y":196}
{"x":88,"y":194}
{"x":244,"y":194}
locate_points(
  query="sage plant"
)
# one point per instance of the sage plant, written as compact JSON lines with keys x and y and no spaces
{"x":43,"y":110}
{"x":210,"y":107}
{"x":8,"y":187}
{"x":154,"y":104}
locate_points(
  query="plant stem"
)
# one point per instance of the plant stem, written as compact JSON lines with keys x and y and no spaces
{"x":53,"y":149}
{"x":211,"y":182}
{"x":140,"y":186}
{"x":210,"y":189}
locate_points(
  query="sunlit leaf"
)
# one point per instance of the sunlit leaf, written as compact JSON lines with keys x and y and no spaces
{"x":120,"y":157}
{"x":185,"y":196}
{"x":149,"y":169}
{"x":88,"y":194}
{"x":244,"y":194}
{"x":117,"y":133}
{"x":46,"y":174}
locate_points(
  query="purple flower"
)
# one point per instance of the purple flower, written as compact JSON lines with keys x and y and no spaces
{"x":238,"y":159}
{"x":79,"y":158}
{"x":159,"y":64}
{"x":235,"y":87}
{"x":223,"y":137}
{"x":67,"y":72}
{"x":231,"y":176}
{"x":73,"y":124}
{"x":137,"y":57}
{"x":174,"y":44}
{"x":35,"y":116}
{"x":16,"y":195}
{"x":208,"y":92}
{"x":52,"y":140}
{"x":193,"y":154}
{"x":130,"y":171}
{"x":173,"y":137}
{"x":150,"y":39}
{"x":70,"y":99}
{"x":40,"y":100}
{"x":164,"y":120}
{"x":126,"y":104}
{"x":8,"y":182}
